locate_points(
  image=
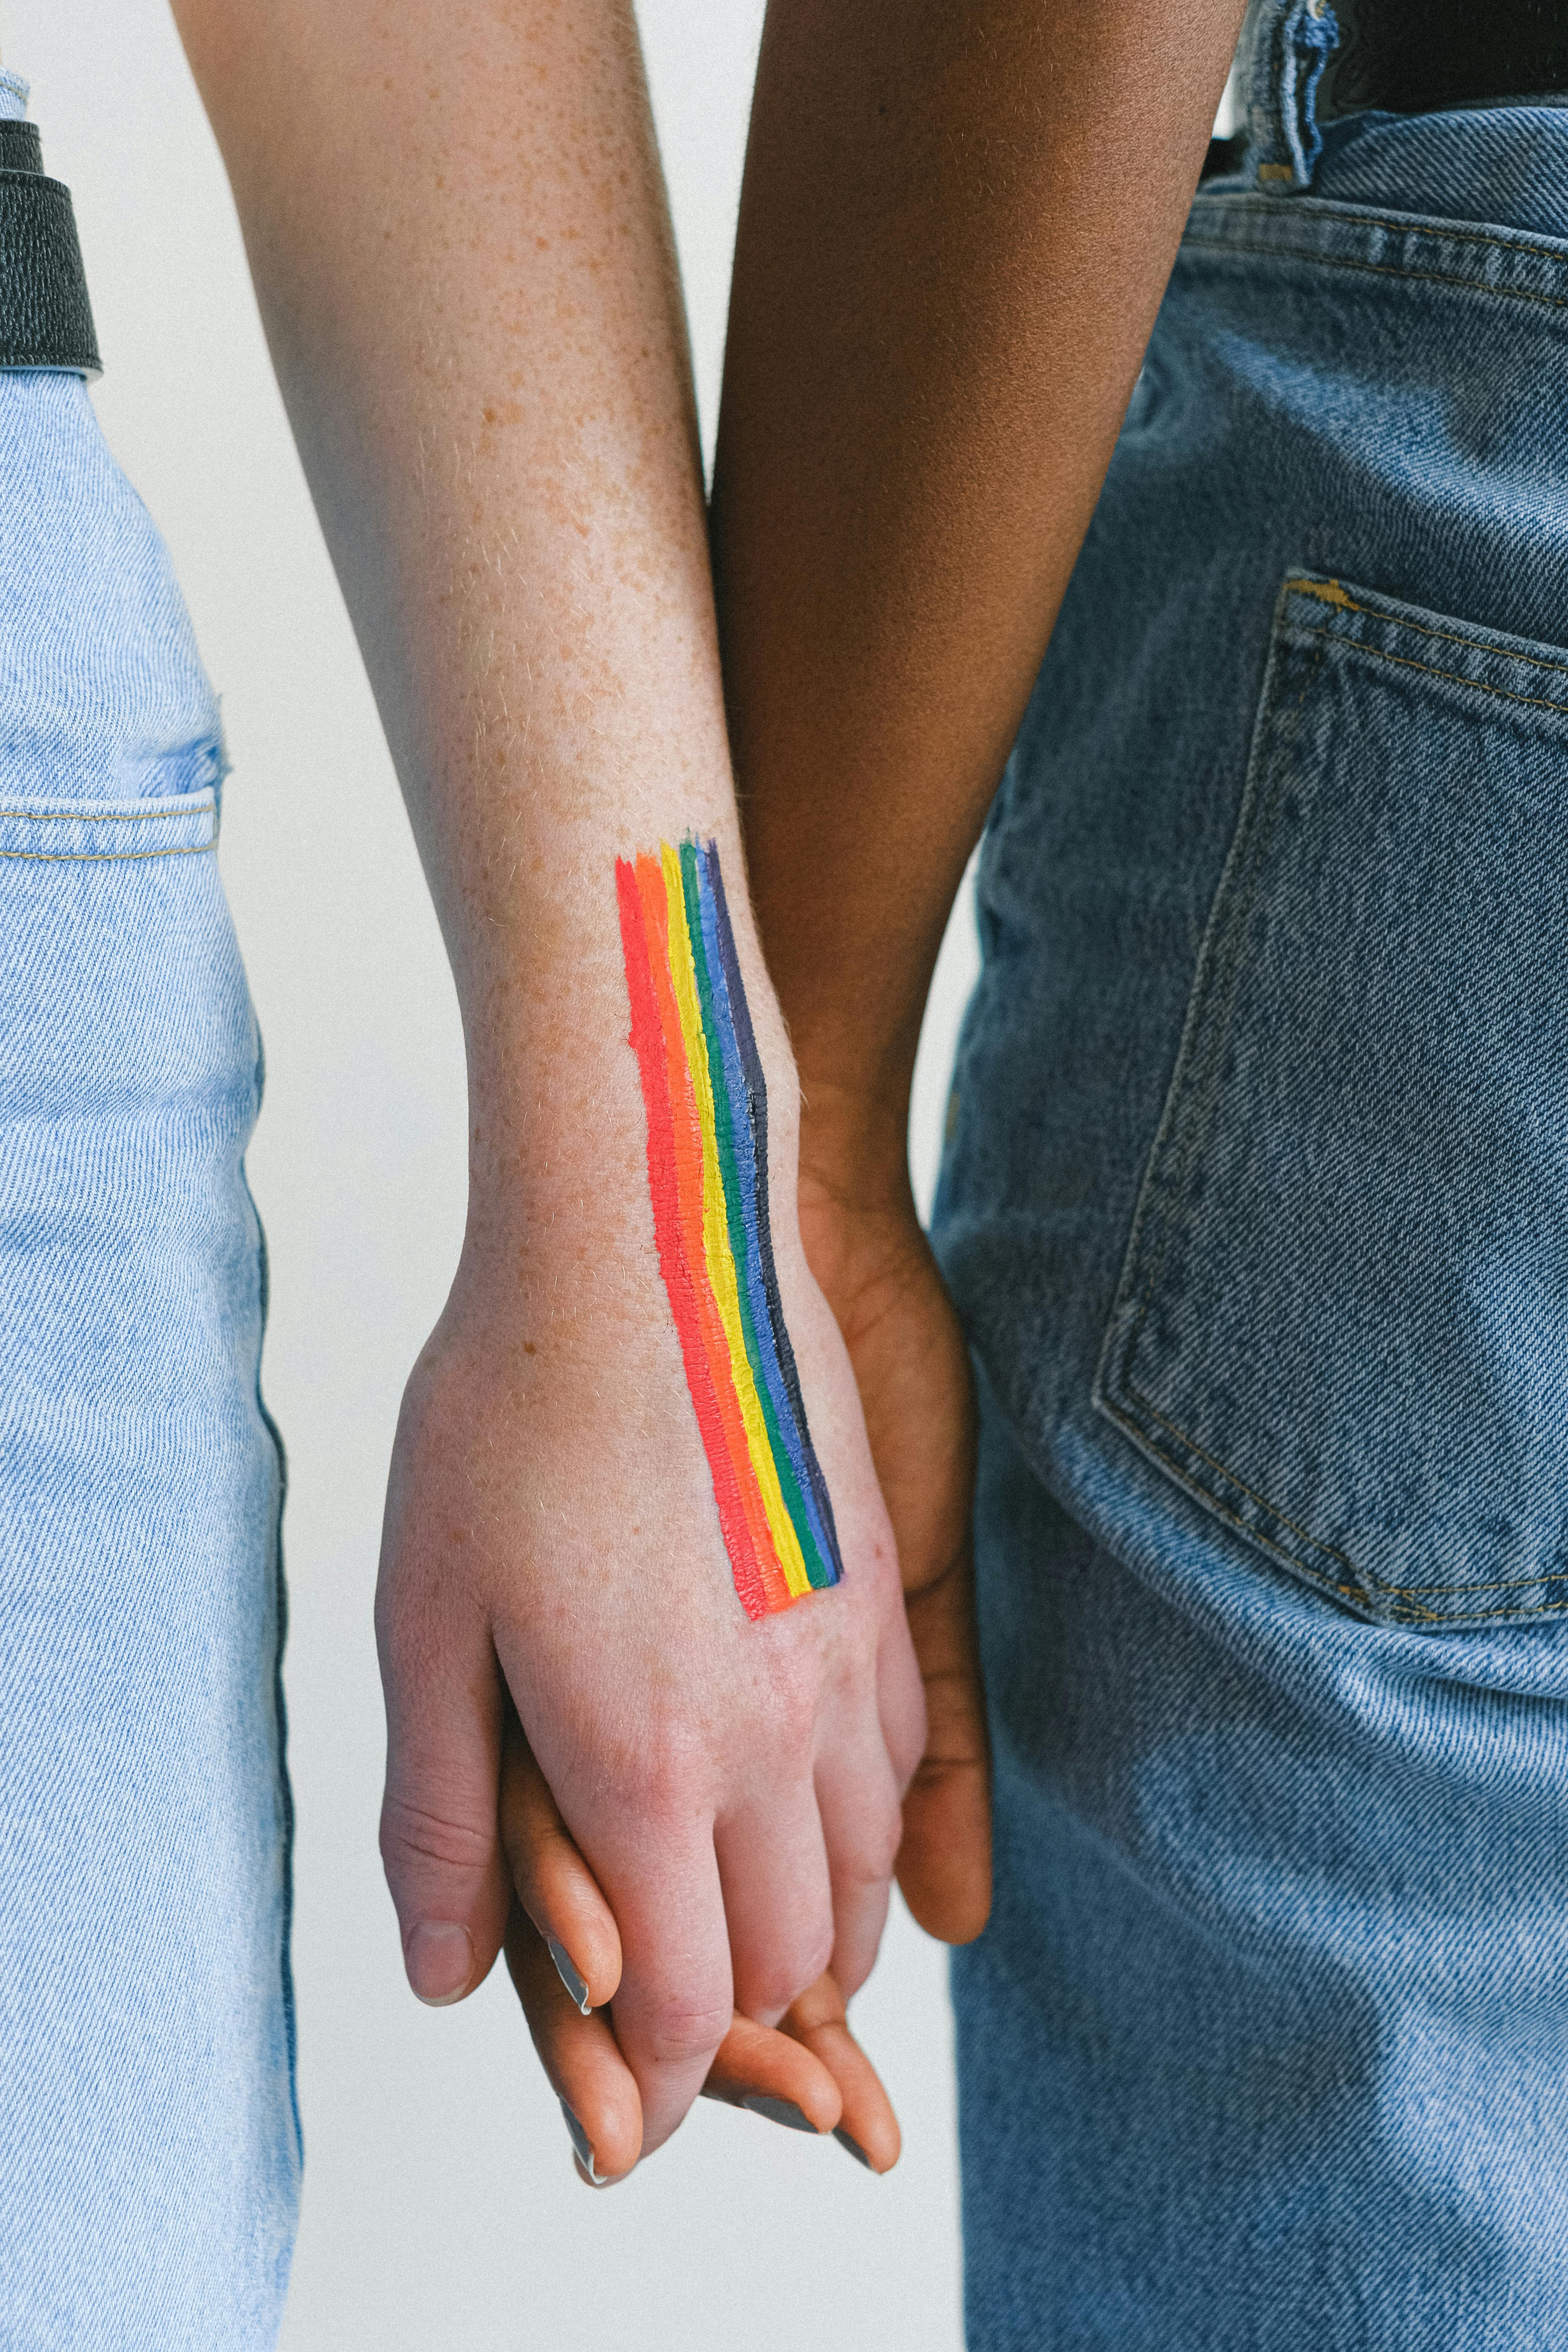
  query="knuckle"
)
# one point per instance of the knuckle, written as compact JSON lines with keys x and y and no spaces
{"x":792,"y":1727}
{"x":681,"y":2031}
{"x":411,"y":1833}
{"x":869,"y":1862}
{"x":784,"y":1977}
{"x":657,"y":1774}
{"x":886,"y":1834}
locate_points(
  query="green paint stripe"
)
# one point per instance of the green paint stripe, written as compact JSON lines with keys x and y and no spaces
{"x":816,"y":1569}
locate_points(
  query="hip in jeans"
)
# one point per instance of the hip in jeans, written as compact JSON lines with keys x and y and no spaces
{"x":1255,"y":1206}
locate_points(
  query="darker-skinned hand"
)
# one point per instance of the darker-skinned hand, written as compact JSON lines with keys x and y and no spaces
{"x":875,"y":1268}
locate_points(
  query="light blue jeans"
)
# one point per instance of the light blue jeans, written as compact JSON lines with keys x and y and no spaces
{"x":149,"y":2141}
{"x":1257,"y":1207}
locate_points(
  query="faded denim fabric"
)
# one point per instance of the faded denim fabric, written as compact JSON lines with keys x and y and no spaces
{"x":149,"y":2142}
{"x":1257,"y":1208}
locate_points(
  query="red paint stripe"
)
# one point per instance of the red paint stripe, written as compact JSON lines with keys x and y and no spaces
{"x":688,"y":1138}
{"x":658,"y":920}
{"x":647,"y":1043}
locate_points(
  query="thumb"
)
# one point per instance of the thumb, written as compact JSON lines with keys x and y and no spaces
{"x":944,"y":1858}
{"x":440,"y":1839}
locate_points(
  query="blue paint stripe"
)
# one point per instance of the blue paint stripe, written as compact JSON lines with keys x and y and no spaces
{"x":743,"y":1151}
{"x":755,"y":1096}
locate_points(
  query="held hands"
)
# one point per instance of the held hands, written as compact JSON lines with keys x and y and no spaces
{"x":866,"y":1248}
{"x":565,"y":1956}
{"x":733,"y":1787}
{"x":908,"y":1351}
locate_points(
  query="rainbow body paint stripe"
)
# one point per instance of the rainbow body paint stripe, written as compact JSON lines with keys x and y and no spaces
{"x":708,"y":1171}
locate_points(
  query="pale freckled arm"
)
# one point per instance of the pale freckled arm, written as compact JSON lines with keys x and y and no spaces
{"x":456,"y":224}
{"x":457,"y":227}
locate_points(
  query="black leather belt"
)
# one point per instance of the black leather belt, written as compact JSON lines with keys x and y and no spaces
{"x":45,"y":319}
{"x":1408,"y":57}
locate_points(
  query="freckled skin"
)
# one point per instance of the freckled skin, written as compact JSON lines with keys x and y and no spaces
{"x":456,"y":224}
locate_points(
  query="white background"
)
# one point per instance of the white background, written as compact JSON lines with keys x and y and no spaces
{"x":441,"y":2211}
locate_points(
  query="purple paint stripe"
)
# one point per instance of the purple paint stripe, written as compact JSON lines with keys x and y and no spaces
{"x":757,"y":1108}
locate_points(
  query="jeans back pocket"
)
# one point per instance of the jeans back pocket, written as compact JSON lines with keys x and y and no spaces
{"x":1342,"y":1320}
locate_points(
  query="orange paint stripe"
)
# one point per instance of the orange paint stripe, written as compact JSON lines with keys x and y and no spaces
{"x":687,"y":1138}
{"x":647,"y":1043}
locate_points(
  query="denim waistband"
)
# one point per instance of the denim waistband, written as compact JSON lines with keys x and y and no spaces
{"x":1444,"y":250}
{"x":1505,"y":165}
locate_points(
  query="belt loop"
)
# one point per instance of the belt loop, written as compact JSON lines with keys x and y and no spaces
{"x":1284,"y":47}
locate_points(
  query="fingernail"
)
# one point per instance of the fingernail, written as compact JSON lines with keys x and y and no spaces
{"x":568,"y":1974}
{"x":440,"y":1961}
{"x":854,"y":2146}
{"x":780,"y":2111}
{"x":584,"y":2148}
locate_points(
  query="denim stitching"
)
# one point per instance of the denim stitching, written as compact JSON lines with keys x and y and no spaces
{"x":1378,"y":269}
{"x":1212,"y":1502}
{"x":1371,"y":1584}
{"x":1444,"y":637}
{"x":1265,"y":1505}
{"x":1220,"y":970}
{"x":103,"y":856}
{"x":1376,"y":1585}
{"x":87,"y":814}
{"x":1356,"y":218}
{"x":1454,"y":678}
{"x":1380,"y":1584}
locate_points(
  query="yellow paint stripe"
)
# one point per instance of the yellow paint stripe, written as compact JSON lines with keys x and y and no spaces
{"x":716,"y":1233}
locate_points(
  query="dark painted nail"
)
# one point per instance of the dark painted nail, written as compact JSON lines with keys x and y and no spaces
{"x":583,"y":2147}
{"x":568,"y":1974}
{"x":854,"y":2149}
{"x":779,"y":2111}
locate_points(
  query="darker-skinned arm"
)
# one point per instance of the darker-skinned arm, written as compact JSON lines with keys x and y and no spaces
{"x":955,"y":230}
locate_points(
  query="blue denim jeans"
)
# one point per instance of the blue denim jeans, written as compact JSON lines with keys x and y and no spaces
{"x":149,"y":2144}
{"x":1256,"y":1208}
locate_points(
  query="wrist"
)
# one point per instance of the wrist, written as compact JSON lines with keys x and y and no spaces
{"x":854,"y":1145}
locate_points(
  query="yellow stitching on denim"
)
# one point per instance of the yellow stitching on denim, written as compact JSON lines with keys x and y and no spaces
{"x":1497,"y":1584}
{"x":1212,"y":1502}
{"x":1327,"y":592}
{"x":103,"y":856}
{"x":1480,"y":1616}
{"x":1296,"y":585}
{"x":169,"y":811}
{"x":1454,"y":678}
{"x":1242,"y":1487}
{"x":1377,"y":269}
{"x":1450,"y":233}
{"x":1331,"y":593}
{"x":1356,"y":1591}
{"x":1407,"y":1591}
{"x":1191,"y":1021}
